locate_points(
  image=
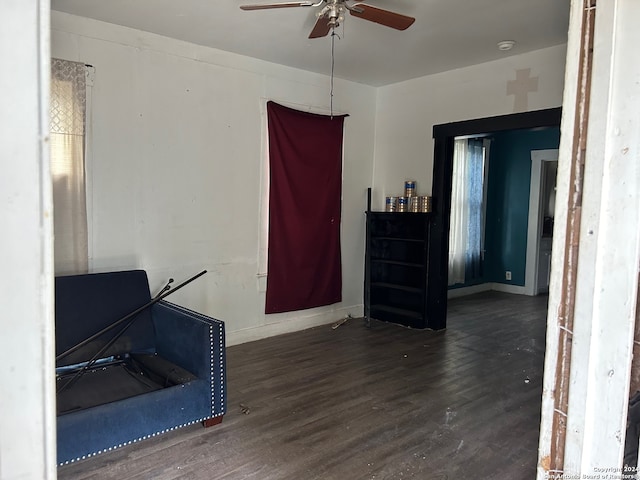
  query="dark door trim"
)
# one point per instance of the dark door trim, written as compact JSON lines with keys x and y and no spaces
{"x":444,"y":135}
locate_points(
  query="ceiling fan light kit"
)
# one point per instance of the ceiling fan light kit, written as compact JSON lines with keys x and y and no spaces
{"x":331,"y":15}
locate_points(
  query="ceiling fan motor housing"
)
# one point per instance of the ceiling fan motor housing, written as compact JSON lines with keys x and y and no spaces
{"x":333,"y":12}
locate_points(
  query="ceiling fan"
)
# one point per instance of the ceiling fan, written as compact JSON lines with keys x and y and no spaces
{"x":332,"y":13}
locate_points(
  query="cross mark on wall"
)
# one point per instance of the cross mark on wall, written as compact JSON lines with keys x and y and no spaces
{"x":520,"y":89}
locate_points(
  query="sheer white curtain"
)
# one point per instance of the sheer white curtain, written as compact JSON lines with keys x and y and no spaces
{"x":475,"y":198}
{"x":458,"y":229}
{"x":67,"y":130}
{"x":466,"y":233}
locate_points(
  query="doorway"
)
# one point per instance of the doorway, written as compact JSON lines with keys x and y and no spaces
{"x":444,"y":136}
{"x":544,"y":168}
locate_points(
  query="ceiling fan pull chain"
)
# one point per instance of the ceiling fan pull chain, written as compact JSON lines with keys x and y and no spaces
{"x":333,"y":35}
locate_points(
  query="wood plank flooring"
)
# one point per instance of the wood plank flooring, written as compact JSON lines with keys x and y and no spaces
{"x":357,"y":403}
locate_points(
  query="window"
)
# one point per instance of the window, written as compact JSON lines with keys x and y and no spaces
{"x":67,"y":142}
{"x":466,"y":233}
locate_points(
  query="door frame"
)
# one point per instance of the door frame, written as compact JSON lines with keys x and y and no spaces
{"x":535,"y":217}
{"x":444,"y":136}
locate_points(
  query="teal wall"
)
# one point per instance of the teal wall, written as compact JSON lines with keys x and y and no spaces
{"x":508,"y":185}
{"x":508,"y":192}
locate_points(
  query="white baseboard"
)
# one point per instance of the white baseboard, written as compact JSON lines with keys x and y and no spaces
{"x":503,"y":287}
{"x":292,"y":323}
{"x":296,"y":321}
{"x":485,"y":287}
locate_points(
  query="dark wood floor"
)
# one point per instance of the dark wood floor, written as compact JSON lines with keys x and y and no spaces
{"x":357,"y":403}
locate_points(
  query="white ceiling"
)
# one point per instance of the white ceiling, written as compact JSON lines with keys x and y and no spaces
{"x":447,"y":34}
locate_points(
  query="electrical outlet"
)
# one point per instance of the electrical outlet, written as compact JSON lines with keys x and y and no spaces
{"x":507,"y":275}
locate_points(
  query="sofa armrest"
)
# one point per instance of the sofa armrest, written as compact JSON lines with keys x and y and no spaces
{"x":196,"y":343}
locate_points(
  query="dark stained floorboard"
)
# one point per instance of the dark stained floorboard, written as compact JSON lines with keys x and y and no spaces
{"x":357,"y":403}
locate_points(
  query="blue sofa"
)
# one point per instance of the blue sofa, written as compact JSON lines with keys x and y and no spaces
{"x":165,"y":372}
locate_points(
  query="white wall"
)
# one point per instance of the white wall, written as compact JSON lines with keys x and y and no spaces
{"x":27,"y":398}
{"x":407,"y":111}
{"x":176,"y":161}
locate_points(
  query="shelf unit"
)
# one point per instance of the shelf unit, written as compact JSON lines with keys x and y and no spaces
{"x":396,"y":267}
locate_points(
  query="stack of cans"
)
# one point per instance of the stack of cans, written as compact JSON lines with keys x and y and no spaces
{"x":410,"y":202}
{"x":404,"y":203}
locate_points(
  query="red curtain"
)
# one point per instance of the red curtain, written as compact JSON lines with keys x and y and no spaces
{"x":305,"y":156}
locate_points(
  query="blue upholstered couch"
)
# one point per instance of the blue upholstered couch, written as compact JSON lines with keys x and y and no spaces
{"x":165,"y":372}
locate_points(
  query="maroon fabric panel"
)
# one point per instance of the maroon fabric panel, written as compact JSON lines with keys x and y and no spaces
{"x":305,"y":155}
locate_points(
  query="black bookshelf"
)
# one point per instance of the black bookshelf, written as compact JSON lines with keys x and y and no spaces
{"x":396,"y":267}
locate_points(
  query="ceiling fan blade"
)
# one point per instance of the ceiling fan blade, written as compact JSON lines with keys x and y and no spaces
{"x":383,"y":17}
{"x":266,"y":6}
{"x":321,"y":28}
